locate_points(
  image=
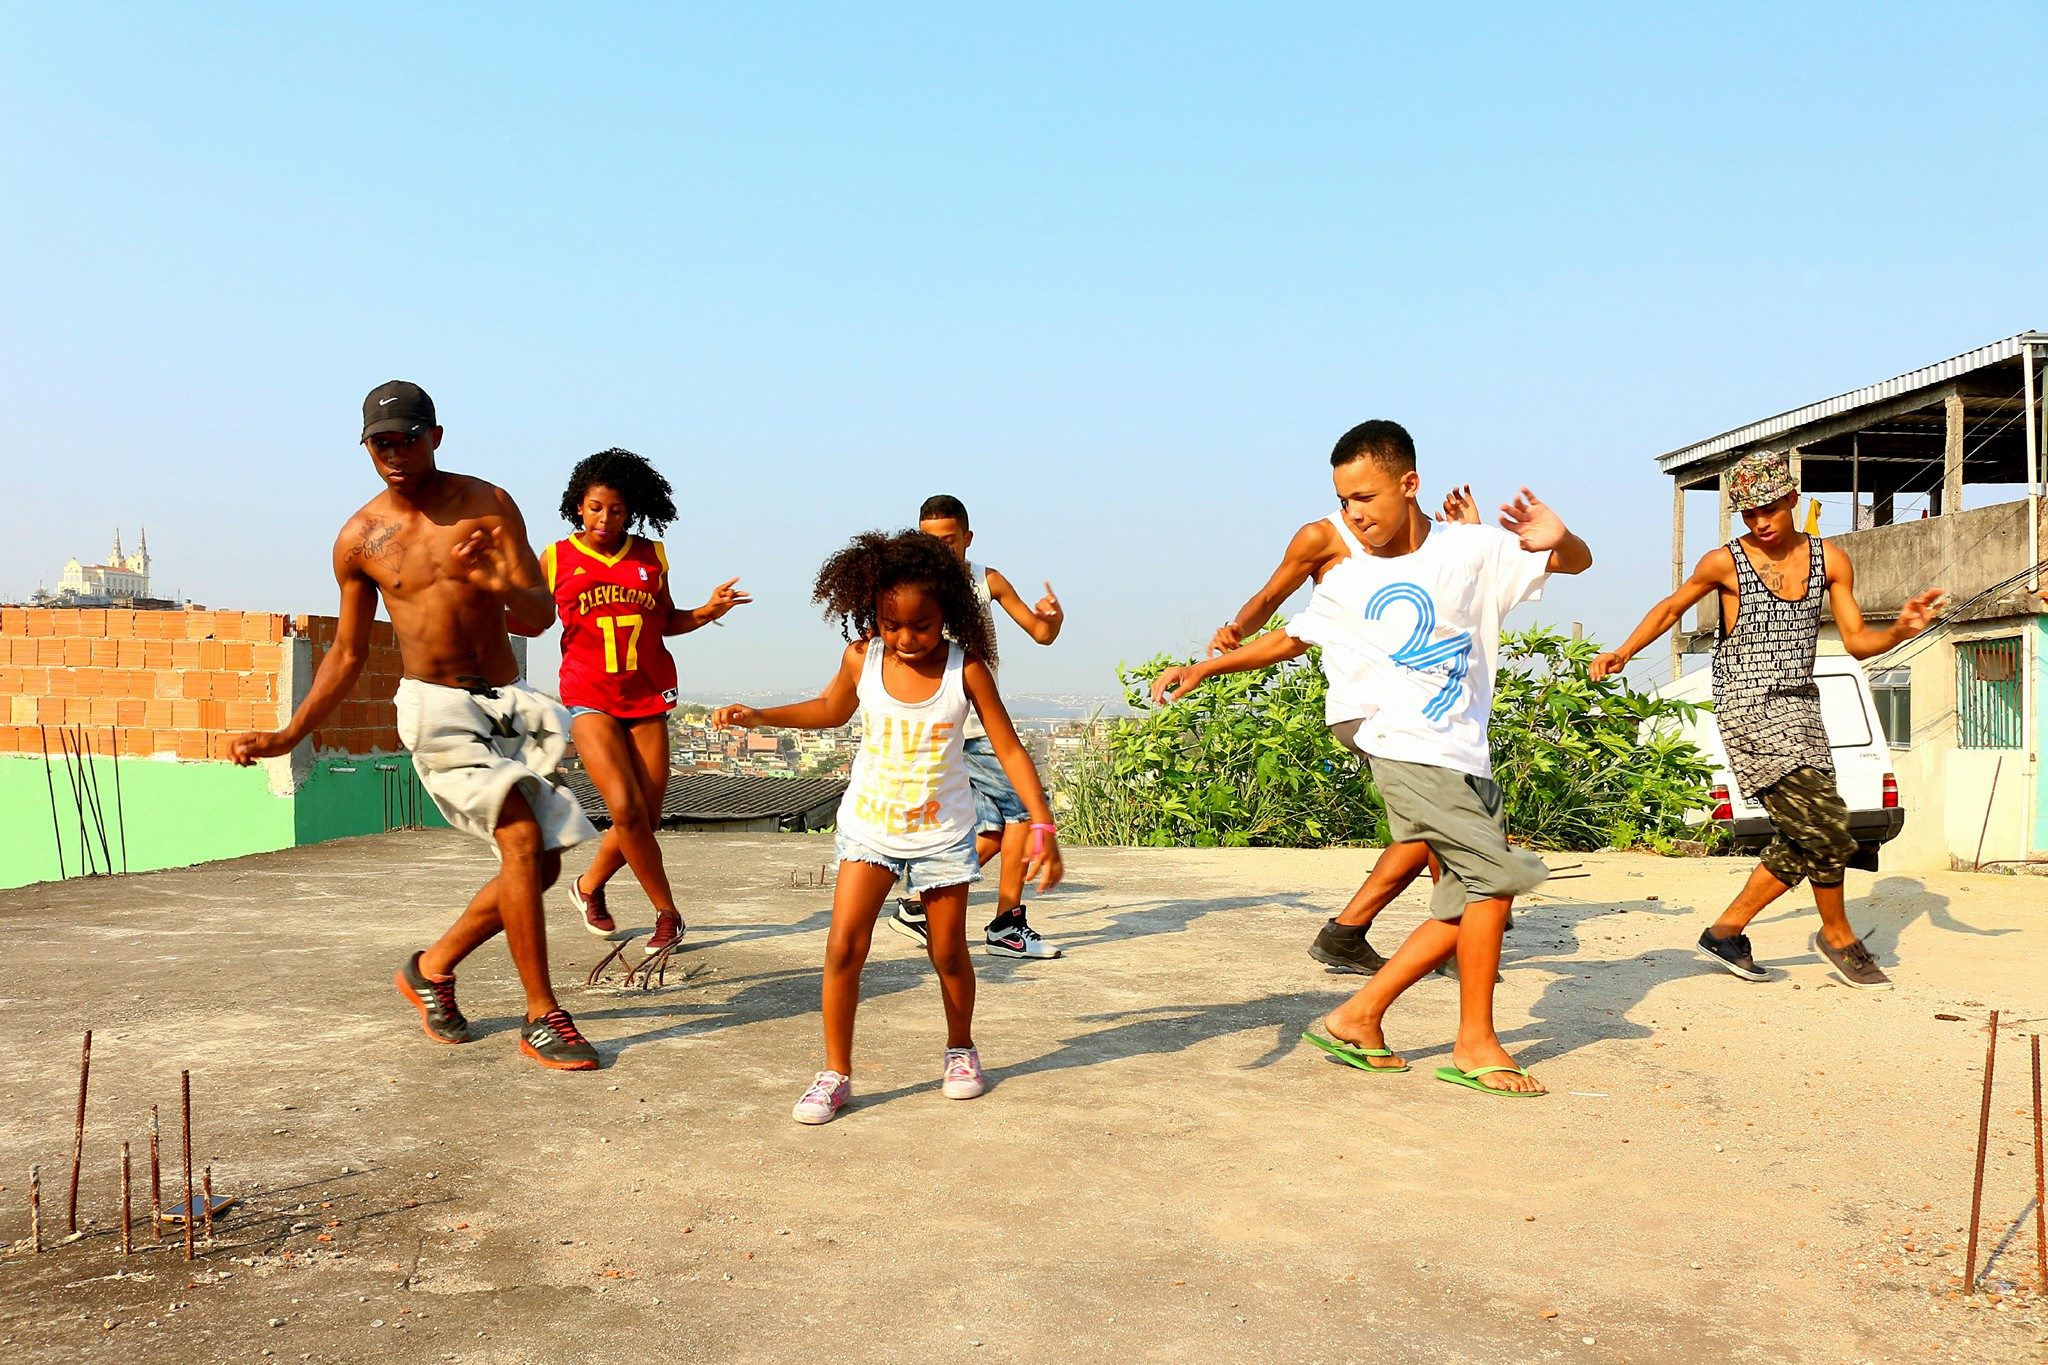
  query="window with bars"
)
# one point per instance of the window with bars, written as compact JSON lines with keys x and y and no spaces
{"x":1988,"y":688}
{"x":1892,"y":690}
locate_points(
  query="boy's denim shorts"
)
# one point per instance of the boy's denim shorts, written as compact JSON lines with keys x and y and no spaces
{"x":948,"y":867}
{"x":996,"y":802}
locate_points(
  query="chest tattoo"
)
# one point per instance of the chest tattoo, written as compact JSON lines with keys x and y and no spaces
{"x":380,"y":543}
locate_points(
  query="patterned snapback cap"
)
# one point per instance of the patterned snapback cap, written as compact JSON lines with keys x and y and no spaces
{"x":1759,"y":480}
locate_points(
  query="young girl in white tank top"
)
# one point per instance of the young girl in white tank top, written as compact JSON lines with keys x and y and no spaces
{"x":918,"y":667}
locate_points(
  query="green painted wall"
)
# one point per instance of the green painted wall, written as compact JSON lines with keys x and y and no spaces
{"x":175,"y":814}
{"x":348,"y":796}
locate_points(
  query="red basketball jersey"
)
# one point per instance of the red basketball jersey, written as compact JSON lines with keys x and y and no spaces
{"x":613,"y":612}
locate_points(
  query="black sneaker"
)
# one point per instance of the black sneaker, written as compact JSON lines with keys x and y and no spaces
{"x":1343,"y":947}
{"x":909,"y":920}
{"x":1855,"y":964}
{"x":554,"y":1042}
{"x":435,"y":1000}
{"x":1732,"y":953}
{"x":1009,"y":936}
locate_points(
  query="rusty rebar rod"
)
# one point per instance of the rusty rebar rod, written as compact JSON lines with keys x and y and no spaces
{"x":127,"y":1201}
{"x":206,"y":1193}
{"x":1983,"y":1142}
{"x":35,"y":1209}
{"x":78,"y":1134}
{"x":185,"y":1087}
{"x":2040,"y":1214}
{"x":156,"y":1184}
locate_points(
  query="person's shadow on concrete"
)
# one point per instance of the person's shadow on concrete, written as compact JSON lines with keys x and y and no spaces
{"x":1881,"y":915}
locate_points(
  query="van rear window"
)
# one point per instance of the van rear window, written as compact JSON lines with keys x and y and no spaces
{"x":1842,"y":711}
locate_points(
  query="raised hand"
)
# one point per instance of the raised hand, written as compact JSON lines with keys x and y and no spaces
{"x":723,"y":599}
{"x":1532,"y":522}
{"x":1048,"y":607}
{"x":744,"y":717}
{"x":482,"y":558}
{"x":1919,"y":613}
{"x":1225,"y":639}
{"x":1606,"y":665}
{"x":1173,"y":684}
{"x":1460,"y":507}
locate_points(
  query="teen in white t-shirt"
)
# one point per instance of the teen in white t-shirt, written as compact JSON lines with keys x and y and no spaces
{"x":1410,"y":642}
{"x":1409,"y":634}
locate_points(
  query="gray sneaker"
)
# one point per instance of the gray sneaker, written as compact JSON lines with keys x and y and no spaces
{"x":439,"y":1015}
{"x":1854,"y":964}
{"x":1732,"y":953}
{"x":1343,"y":948}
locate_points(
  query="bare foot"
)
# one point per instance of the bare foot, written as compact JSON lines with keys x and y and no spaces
{"x":1364,"y":1034}
{"x":1491,"y":1053}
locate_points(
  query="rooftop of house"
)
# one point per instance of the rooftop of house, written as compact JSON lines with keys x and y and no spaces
{"x":703,"y":797}
{"x":1159,"y":1169}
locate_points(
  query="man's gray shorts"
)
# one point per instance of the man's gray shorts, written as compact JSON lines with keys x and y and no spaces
{"x":1459,"y":817}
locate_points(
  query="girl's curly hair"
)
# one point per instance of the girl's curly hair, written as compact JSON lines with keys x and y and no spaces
{"x":646,"y":493}
{"x":852,"y":582}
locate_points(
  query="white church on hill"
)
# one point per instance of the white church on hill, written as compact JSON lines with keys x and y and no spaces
{"x":123,"y":578}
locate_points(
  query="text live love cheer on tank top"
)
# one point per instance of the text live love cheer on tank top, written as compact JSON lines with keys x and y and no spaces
{"x":908,"y":796}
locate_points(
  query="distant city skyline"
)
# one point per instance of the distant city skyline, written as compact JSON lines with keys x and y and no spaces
{"x":1116,"y":278}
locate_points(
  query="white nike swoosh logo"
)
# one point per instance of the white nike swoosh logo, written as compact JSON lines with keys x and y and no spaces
{"x":382,"y":401}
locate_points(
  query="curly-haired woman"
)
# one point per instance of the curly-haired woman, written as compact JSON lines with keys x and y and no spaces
{"x":611,"y":592}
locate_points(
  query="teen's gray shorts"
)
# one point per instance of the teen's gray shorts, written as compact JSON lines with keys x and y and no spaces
{"x":1458,"y":816}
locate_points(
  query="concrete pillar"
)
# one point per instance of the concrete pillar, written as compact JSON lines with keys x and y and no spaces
{"x":1727,"y":512}
{"x":1677,"y":564}
{"x":1881,"y":508}
{"x":1952,"y":456}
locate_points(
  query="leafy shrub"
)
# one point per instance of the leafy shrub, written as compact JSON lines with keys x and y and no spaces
{"x":1246,"y":759}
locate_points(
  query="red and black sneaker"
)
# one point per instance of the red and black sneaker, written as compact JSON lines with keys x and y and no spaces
{"x":668,"y":931}
{"x":596,"y":919}
{"x":554,"y":1041}
{"x":435,"y":1000}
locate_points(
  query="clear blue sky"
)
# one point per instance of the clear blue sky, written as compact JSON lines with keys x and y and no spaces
{"x":1116,"y":276}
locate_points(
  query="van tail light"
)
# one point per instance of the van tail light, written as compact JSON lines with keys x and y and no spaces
{"x":1724,"y":809}
{"x":1891,"y":792}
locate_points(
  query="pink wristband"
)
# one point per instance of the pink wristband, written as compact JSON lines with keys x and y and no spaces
{"x":1038,"y":833}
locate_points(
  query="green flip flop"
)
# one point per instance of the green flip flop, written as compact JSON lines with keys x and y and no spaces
{"x":1470,"y":1080}
{"x":1315,"y":1035}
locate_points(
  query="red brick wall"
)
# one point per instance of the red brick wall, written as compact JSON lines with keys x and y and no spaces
{"x":365,"y":723}
{"x":183,"y":683}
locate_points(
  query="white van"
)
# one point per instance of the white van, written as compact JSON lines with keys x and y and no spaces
{"x":1863,"y":761}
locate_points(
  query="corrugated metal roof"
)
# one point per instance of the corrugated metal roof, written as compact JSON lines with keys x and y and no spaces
{"x":1757,"y":432}
{"x":694,"y":796}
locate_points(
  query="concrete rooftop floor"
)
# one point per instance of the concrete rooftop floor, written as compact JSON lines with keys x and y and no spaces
{"x":1160,"y":1169}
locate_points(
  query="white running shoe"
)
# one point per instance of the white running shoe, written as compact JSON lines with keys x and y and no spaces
{"x":963,"y":1079}
{"x":823,"y":1101}
{"x":1010,"y":936}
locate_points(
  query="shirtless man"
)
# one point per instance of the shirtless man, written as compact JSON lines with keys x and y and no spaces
{"x":448,"y":554}
{"x":1315,"y":547}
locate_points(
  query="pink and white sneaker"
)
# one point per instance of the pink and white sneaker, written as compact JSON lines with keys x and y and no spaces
{"x":823,"y":1101}
{"x":963,"y":1079}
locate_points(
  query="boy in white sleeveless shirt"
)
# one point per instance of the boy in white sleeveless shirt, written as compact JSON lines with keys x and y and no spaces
{"x":1001,"y":824}
{"x":1410,"y":633}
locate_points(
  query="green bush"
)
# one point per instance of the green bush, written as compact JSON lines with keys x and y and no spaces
{"x":1246,"y":760}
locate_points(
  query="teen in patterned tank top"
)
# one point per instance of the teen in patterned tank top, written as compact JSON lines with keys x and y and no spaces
{"x":1770,"y":582}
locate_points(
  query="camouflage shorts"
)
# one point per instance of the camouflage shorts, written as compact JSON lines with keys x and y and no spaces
{"x":1812,"y":839}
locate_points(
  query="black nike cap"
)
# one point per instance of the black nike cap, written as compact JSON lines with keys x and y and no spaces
{"x":397,"y":406}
